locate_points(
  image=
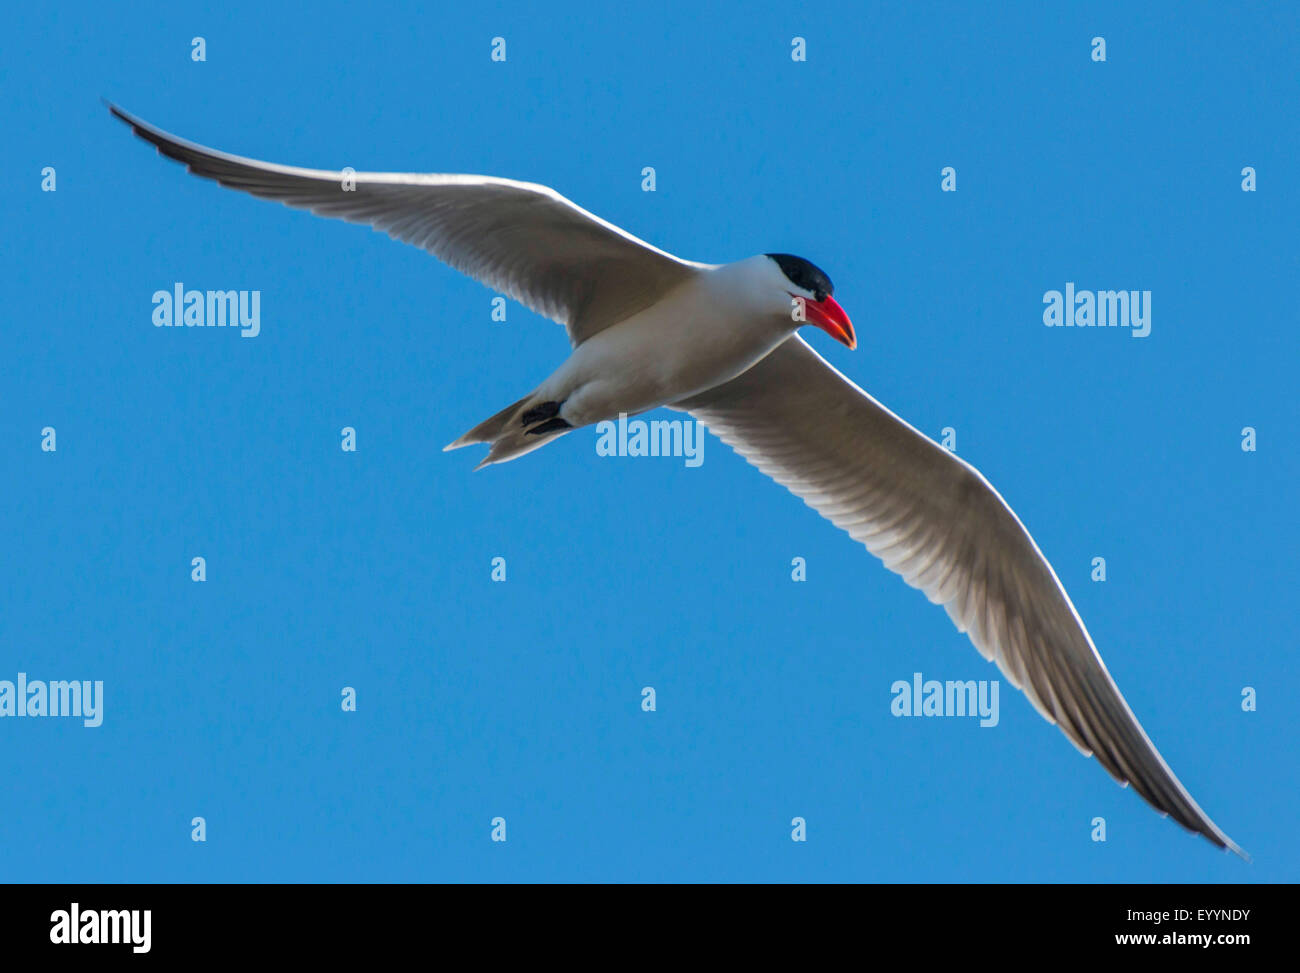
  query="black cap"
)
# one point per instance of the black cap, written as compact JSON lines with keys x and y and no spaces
{"x":803,"y":273}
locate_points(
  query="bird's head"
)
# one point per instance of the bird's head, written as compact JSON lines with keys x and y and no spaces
{"x":810,"y":300}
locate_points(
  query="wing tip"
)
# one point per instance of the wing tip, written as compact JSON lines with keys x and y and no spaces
{"x":117,"y":112}
{"x":1227,"y":844}
{"x":1211,"y":832}
{"x":141,"y":128}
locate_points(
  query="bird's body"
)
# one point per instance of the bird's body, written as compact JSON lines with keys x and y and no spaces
{"x":657,"y":356}
{"x":649,"y":329}
{"x":670,"y":351}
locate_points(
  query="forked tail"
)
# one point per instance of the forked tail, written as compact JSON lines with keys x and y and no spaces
{"x":517,"y":429}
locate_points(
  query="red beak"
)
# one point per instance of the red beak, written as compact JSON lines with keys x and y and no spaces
{"x":830,"y":317}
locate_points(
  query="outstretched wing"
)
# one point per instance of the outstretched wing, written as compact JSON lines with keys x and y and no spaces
{"x":932,"y":518}
{"x":519,"y":238}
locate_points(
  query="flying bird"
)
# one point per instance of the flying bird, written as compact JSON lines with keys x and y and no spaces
{"x":720,"y":342}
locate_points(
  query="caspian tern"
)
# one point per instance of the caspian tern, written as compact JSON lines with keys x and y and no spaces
{"x":719,"y":342}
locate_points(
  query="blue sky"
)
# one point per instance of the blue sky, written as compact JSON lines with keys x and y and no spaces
{"x":522,"y":699}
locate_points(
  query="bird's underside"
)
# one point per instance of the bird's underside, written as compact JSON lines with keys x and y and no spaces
{"x":927,"y":514}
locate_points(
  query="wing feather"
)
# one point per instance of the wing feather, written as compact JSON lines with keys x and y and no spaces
{"x":521,"y":239}
{"x":932,"y":518}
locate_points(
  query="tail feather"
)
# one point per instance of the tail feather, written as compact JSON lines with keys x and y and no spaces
{"x":507,"y":434}
{"x":489,"y":429}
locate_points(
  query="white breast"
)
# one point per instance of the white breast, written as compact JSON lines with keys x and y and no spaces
{"x":703,"y":333}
